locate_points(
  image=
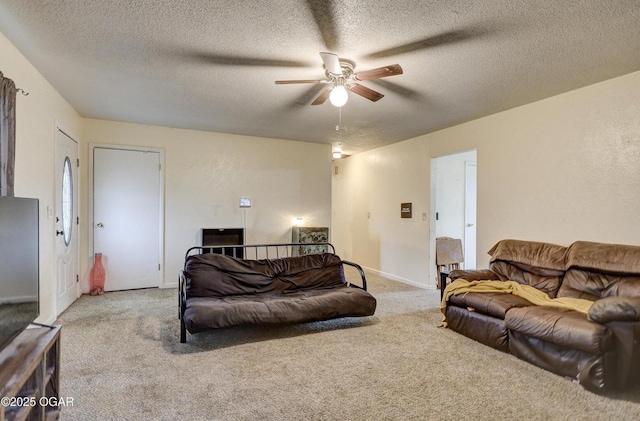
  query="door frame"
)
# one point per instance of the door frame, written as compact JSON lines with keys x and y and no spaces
{"x":51,"y":210}
{"x":468,"y":246}
{"x":92,"y":146}
{"x":433,"y":276}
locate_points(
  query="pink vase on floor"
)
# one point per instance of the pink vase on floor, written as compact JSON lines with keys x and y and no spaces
{"x":97,"y":276}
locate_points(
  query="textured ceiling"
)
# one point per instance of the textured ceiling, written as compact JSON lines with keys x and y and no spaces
{"x":211,"y":65}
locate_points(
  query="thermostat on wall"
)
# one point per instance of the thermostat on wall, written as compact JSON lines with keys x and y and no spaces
{"x":245,"y":202}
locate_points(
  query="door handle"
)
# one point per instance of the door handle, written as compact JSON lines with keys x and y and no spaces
{"x":469,"y":224}
{"x":100,"y":225}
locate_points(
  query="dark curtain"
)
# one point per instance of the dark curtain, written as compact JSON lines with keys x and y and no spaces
{"x":7,"y":135}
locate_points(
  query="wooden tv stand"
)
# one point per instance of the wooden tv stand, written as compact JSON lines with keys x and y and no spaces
{"x":30,"y":376}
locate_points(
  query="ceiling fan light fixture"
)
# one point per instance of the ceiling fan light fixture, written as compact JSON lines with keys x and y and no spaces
{"x":338,"y":96}
{"x":337,"y":150}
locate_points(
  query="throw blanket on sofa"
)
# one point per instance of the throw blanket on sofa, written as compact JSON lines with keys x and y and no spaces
{"x":529,"y":293}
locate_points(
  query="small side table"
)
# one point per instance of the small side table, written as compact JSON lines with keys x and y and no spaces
{"x":443,"y":283}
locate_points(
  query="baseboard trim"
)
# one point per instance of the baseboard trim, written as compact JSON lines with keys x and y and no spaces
{"x":47,"y":320}
{"x":399,"y":278}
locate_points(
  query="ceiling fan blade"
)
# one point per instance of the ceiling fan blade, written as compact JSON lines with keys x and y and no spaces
{"x":363,"y":91}
{"x":392,"y":70}
{"x":324,"y":16}
{"x":230,"y":60}
{"x":432,"y":41}
{"x":324,"y":95}
{"x":332,"y":63}
{"x":307,"y":96}
{"x":399,"y":90}
{"x":288,"y":82}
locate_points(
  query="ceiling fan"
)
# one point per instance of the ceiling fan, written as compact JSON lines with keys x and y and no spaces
{"x":342,"y":78}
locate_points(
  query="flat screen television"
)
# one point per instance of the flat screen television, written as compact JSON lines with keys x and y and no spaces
{"x":19,"y":266}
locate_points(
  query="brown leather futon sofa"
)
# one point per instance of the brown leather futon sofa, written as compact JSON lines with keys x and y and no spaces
{"x":599,"y":348}
{"x":218,"y":291}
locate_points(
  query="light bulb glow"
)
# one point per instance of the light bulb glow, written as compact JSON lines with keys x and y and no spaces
{"x":337,"y":154}
{"x":338,"y":96}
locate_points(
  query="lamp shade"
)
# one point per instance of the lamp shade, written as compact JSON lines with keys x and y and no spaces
{"x":338,"y":96}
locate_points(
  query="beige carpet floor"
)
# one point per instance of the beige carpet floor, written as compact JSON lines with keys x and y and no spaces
{"x":122,"y":360}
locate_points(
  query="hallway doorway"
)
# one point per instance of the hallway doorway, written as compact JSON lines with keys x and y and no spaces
{"x":453,"y":204}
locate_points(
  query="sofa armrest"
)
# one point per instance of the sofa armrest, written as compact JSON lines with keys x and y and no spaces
{"x":609,"y":309}
{"x":473,"y":275}
{"x":360,"y":271}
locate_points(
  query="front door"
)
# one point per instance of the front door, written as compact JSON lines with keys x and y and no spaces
{"x":127,"y":216}
{"x":66,"y":215}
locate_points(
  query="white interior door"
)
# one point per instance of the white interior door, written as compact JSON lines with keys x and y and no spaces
{"x":66,"y":214}
{"x":127,"y":216}
{"x":470,"y":201}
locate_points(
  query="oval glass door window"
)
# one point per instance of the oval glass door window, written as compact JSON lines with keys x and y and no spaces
{"x":67,"y":201}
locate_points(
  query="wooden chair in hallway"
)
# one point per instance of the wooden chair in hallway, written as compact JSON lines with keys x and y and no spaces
{"x":448,"y":257}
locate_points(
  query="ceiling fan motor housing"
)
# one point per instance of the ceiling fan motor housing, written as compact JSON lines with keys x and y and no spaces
{"x":340,"y":74}
{"x":347,"y":67}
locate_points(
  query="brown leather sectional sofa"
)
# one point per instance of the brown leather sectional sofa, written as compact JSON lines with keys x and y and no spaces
{"x":600,"y":350}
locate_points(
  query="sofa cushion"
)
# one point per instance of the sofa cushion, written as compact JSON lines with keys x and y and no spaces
{"x":559,"y":326}
{"x":531,"y":253}
{"x":602,"y":257}
{"x":216,"y":275}
{"x":546,"y":280}
{"x":204,"y":313}
{"x":591,"y":285}
{"x":489,"y":303}
{"x":624,"y":286}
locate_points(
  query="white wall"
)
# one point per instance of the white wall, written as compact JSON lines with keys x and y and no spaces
{"x":207,"y":173}
{"x":562,"y":169}
{"x":36,"y":119}
{"x":367,"y":193}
